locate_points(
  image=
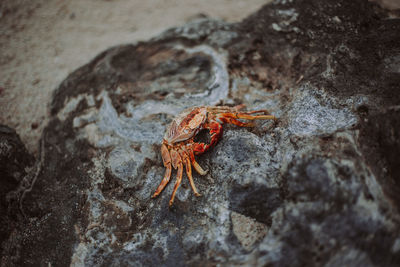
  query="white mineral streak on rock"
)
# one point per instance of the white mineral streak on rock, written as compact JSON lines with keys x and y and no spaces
{"x":105,"y":127}
{"x":71,"y":104}
{"x":127,"y":128}
{"x":150,"y":107}
{"x":329,"y":72}
{"x":90,"y":116}
{"x":218,"y":88}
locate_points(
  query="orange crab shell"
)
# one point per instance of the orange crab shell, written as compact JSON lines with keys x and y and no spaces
{"x":185,"y":125}
{"x":178,"y":147}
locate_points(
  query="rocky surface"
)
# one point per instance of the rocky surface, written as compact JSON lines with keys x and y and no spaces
{"x":319,"y":187}
{"x":15,"y":169}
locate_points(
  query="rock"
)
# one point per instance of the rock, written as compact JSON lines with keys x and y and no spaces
{"x":247,"y":230}
{"x":14,"y":158}
{"x":16,"y":165}
{"x":319,"y":187}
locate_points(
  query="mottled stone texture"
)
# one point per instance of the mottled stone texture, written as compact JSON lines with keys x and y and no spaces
{"x":15,"y":164}
{"x":319,"y":187}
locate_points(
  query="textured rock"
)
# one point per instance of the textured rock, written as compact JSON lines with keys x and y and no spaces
{"x":319,"y":187}
{"x":14,"y":158}
{"x":16,"y":169}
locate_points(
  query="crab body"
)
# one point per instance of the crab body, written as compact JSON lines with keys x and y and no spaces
{"x":179,"y":147}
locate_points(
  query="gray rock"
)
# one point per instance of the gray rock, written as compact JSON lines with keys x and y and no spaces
{"x":319,"y":187}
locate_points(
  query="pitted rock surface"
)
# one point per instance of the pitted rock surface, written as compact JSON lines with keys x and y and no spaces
{"x":319,"y":187}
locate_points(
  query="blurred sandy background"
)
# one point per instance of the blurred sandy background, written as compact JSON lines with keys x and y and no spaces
{"x":42,"y":41}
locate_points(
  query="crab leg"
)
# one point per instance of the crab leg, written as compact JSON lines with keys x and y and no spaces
{"x":256,"y":111}
{"x":239,"y":107}
{"x":249,"y":117}
{"x":177,"y":164}
{"x":236,"y":122}
{"x":188,"y":167}
{"x":220,"y":109}
{"x":196,"y":166}
{"x":177,"y":183}
{"x":167,"y":164}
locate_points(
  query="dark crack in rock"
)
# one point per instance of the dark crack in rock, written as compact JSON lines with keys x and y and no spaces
{"x":318,"y":187}
{"x":15,"y":166}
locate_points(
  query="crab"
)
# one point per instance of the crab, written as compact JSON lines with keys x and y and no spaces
{"x":178,"y":148}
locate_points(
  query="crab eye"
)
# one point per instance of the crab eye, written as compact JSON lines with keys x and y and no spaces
{"x":203,"y":136}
